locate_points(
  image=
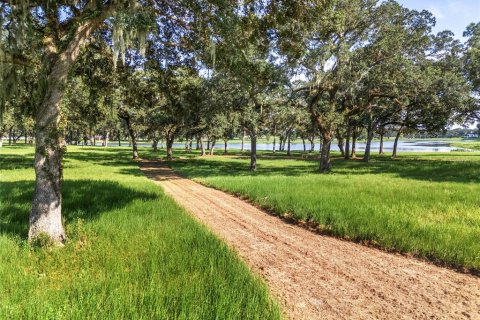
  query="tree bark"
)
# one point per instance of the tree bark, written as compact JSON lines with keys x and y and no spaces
{"x":289,"y":153}
{"x":340,"y":143}
{"x":155,"y":144}
{"x":304,"y":145}
{"x":105,"y":140}
{"x":46,"y":215}
{"x":202,"y":147}
{"x":347,"y":144}
{"x":10,"y":135}
{"x":354,"y":143}
{"x":131,"y":131}
{"x":253,"y":150}
{"x":243,"y":141}
{"x":368,"y":147}
{"x":225,"y":151}
{"x":212,"y":146}
{"x":380,"y":151}
{"x":395,"y":144}
{"x":325,"y":165}
{"x":274,"y":142}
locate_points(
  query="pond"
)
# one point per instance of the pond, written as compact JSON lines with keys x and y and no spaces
{"x":403,"y":146}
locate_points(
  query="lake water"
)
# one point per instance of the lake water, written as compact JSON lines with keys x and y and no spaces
{"x":403,"y":146}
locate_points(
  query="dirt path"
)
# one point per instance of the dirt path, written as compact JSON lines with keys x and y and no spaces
{"x":317,"y":277}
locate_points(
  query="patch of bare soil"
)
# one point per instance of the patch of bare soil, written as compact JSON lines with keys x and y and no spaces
{"x":319,"y":277}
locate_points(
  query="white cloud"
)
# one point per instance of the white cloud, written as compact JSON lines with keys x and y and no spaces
{"x":437,"y":12}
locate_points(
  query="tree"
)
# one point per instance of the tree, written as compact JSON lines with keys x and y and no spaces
{"x":57,"y":30}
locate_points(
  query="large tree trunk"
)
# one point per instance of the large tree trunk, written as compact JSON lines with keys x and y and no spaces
{"x":253,"y":150}
{"x":325,"y":164}
{"x":46,"y":214}
{"x":368,"y":147}
{"x":395,"y":144}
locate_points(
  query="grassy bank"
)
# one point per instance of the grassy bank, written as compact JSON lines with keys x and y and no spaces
{"x":424,"y":204}
{"x":132,"y":254}
{"x":473,"y":144}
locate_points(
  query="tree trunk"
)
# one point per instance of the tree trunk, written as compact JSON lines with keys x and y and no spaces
{"x":347,"y":144}
{"x":395,"y":144}
{"x":304,"y":145}
{"x":105,"y":140}
{"x":46,"y":214}
{"x":289,"y":153}
{"x":253,"y":150}
{"x":226,"y":146}
{"x":131,"y":132}
{"x":274,"y":143}
{"x":312,"y":143}
{"x":380,"y":151}
{"x":368,"y":147}
{"x":212,"y":146}
{"x":341,"y":145}
{"x":1,"y":139}
{"x":170,"y":138}
{"x":155,"y":144}
{"x":354,"y":143}
{"x":10,"y":135}
{"x":202,"y":147}
{"x":243,"y":141}
{"x":325,"y":164}
{"x":208,"y":144}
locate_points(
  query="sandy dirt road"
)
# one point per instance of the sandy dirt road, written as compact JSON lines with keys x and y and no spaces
{"x":319,"y":277}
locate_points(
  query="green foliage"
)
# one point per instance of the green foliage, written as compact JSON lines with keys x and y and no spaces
{"x":132,"y":252}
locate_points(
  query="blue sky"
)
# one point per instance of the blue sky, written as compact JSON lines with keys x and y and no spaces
{"x":452,"y":15}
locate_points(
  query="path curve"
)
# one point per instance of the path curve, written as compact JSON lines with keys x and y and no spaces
{"x":319,"y":277}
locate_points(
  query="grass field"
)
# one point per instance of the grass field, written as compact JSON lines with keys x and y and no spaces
{"x":473,"y":144}
{"x":132,"y":252}
{"x":423,"y":204}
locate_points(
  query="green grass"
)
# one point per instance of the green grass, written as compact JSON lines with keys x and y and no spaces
{"x":473,"y":144}
{"x":423,"y":204}
{"x":132,"y":252}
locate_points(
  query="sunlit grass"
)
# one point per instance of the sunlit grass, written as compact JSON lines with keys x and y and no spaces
{"x":132,"y":252}
{"x":426,"y":204}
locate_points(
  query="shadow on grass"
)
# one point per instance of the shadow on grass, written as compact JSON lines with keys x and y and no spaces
{"x":85,"y":199}
{"x":14,"y":161}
